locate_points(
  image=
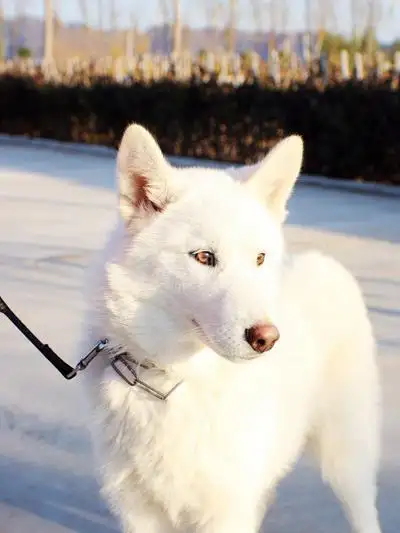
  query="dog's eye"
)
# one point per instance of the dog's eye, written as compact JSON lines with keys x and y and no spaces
{"x":260,"y":259}
{"x":204,"y":257}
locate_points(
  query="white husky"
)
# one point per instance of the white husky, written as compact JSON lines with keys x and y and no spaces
{"x":263,"y":354}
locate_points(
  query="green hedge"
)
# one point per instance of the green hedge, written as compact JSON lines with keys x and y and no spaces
{"x":351,"y":131}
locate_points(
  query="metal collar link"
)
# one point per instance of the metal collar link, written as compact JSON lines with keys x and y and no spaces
{"x":127,"y":369}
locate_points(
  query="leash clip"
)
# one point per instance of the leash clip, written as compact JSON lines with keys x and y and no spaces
{"x":85,"y":361}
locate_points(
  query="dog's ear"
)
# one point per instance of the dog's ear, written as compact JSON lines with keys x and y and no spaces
{"x":273,"y":179}
{"x":143,"y":175}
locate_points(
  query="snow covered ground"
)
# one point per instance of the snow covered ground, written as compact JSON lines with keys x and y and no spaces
{"x":55,"y":210}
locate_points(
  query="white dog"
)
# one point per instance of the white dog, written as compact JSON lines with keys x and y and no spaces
{"x":243,"y":355}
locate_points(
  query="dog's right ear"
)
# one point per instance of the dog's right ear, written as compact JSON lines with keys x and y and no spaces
{"x":272,"y":180}
{"x":143,"y":175}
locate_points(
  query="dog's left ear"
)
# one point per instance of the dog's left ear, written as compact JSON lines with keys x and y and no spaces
{"x":144,"y":176}
{"x":273,"y":179}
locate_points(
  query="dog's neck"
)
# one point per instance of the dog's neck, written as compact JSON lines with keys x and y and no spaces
{"x":196,"y":368}
{"x":142,"y":373}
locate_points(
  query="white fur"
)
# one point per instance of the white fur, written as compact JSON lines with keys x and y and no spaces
{"x":208,"y":459}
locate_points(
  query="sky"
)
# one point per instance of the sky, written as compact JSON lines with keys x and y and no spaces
{"x":197,"y":12}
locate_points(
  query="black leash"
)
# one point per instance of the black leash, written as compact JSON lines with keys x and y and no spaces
{"x":119,"y":362}
{"x":67,"y":371}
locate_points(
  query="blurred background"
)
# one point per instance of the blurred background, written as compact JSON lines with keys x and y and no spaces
{"x":354,"y":35}
{"x":217,"y":79}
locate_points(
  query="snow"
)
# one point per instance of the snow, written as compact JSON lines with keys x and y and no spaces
{"x":55,"y":210}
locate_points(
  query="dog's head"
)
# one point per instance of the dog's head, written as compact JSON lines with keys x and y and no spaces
{"x":200,"y":253}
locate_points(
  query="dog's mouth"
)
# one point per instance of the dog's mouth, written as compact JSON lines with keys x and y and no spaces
{"x":200,"y":332}
{"x":204,"y":338}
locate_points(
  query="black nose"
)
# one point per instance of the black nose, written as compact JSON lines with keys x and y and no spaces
{"x":261,"y":337}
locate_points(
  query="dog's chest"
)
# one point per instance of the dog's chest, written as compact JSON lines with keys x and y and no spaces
{"x":190,"y":453}
{"x":223,"y":440}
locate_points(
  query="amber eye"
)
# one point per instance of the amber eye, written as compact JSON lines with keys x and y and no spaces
{"x":260,"y":259}
{"x":205,"y":257}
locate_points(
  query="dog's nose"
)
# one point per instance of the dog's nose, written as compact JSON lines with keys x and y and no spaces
{"x":261,"y":337}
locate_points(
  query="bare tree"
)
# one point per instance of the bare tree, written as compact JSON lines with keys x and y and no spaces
{"x":282,"y":15}
{"x":84,"y":12}
{"x":113,"y":15}
{"x":177,"y":28}
{"x":218,"y":15}
{"x":18,"y":23}
{"x":374,"y":13}
{"x":130,"y":44}
{"x":354,"y":19}
{"x":323,"y":17}
{"x":85,"y":18}
{"x":2,"y":36}
{"x":48,"y":30}
{"x":232,"y":26}
{"x":100,"y":14}
{"x":209,"y":8}
{"x":309,"y":25}
{"x":165,"y":11}
{"x":327,"y":16}
{"x":308,"y":11}
{"x":272,"y":11}
{"x":166,"y":21}
{"x":257,"y":14}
